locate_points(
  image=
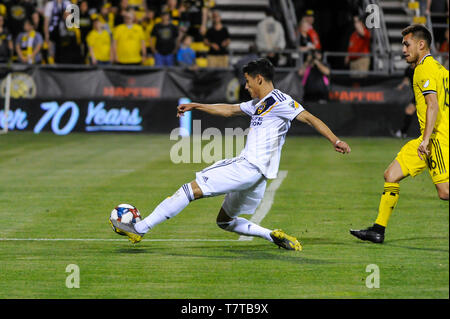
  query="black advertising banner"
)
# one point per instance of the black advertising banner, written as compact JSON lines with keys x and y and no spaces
{"x":159,"y":116}
{"x":89,"y":115}
{"x":202,"y":85}
{"x":373,"y":89}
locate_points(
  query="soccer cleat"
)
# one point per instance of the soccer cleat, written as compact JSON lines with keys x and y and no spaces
{"x":283,"y":240}
{"x":368,"y":234}
{"x":126,"y":230}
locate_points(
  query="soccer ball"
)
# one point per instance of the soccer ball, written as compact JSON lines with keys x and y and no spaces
{"x":125,"y":213}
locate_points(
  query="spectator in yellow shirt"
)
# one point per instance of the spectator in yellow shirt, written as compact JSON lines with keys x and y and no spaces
{"x":107,"y":17}
{"x":129,"y":42}
{"x":99,"y":44}
{"x":148,"y":23}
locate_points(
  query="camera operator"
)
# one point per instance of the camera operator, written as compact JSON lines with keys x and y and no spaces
{"x":314,"y":73}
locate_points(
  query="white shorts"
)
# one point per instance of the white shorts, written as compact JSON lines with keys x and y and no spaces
{"x":242,"y":182}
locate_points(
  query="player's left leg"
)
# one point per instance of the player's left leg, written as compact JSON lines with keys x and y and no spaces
{"x":241,"y":226}
{"x":246,"y":202}
{"x":245,"y":227}
{"x":243,"y":202}
{"x":407,"y":163}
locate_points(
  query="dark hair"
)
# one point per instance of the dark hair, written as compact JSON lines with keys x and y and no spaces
{"x":268,"y":11}
{"x":419,"y":31}
{"x":261,"y":67}
{"x":359,"y":17}
{"x":185,"y":36}
{"x":28,"y":20}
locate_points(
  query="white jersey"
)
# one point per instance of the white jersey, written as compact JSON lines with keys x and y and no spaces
{"x":271,"y":120}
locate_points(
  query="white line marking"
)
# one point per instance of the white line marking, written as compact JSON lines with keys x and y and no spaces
{"x":121,"y":239}
{"x":267,"y":201}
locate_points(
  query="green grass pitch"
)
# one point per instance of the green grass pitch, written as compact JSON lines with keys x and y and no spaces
{"x":54,"y":187}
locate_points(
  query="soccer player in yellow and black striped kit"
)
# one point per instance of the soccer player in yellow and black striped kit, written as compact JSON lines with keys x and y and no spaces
{"x":431,"y":149}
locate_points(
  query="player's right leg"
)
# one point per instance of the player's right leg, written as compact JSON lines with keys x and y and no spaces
{"x":170,"y":207}
{"x":392,"y":176}
{"x":220,"y":178}
{"x":405,"y":164}
{"x":167,"y":209}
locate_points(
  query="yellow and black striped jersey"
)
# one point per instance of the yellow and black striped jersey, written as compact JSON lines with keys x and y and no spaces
{"x":430,"y":77}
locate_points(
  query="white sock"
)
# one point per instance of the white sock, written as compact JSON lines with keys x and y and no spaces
{"x":167,"y":209}
{"x":245,"y":227}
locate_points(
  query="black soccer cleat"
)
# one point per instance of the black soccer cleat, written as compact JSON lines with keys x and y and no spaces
{"x":368,"y":234}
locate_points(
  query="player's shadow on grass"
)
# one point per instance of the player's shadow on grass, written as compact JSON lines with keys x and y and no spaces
{"x":321,"y":241}
{"x":134,"y":250}
{"x":389,"y":243}
{"x":248,"y":252}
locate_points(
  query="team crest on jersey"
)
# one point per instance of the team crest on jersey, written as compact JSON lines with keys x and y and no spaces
{"x":265,"y":105}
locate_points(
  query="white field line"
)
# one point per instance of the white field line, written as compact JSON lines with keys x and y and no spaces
{"x":267,"y":201}
{"x":121,"y":239}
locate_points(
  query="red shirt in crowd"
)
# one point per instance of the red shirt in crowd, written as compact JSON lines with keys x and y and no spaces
{"x":314,"y":38}
{"x":444,"y":47}
{"x":359,"y":44}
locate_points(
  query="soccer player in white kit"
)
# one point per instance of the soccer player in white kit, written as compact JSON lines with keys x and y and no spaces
{"x":242,"y":179}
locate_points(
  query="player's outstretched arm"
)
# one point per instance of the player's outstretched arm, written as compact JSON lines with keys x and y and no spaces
{"x":322,"y":128}
{"x":225,"y":110}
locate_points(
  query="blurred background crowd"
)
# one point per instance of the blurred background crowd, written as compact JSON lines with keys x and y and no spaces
{"x":188,"y":33}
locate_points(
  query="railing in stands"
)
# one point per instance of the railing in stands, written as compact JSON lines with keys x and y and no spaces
{"x":389,"y":70}
{"x":290,"y":20}
{"x":380,"y":39}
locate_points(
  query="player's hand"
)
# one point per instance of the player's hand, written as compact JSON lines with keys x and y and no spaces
{"x":184,"y":108}
{"x":423,"y":149}
{"x":342,"y":147}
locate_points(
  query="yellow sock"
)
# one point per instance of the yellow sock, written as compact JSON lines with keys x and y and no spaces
{"x":388,"y":202}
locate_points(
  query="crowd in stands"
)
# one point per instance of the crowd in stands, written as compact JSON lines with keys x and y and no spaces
{"x":187,"y":33}
{"x":127,"y":32}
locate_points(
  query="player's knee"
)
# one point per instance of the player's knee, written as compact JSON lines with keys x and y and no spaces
{"x":393,"y":175}
{"x":389,"y":176}
{"x":196,"y":190}
{"x":223,"y":220}
{"x":443,"y":194}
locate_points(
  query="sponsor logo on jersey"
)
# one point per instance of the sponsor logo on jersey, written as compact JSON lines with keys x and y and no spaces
{"x":256,"y":121}
{"x":265,"y":105}
{"x":294,"y":104}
